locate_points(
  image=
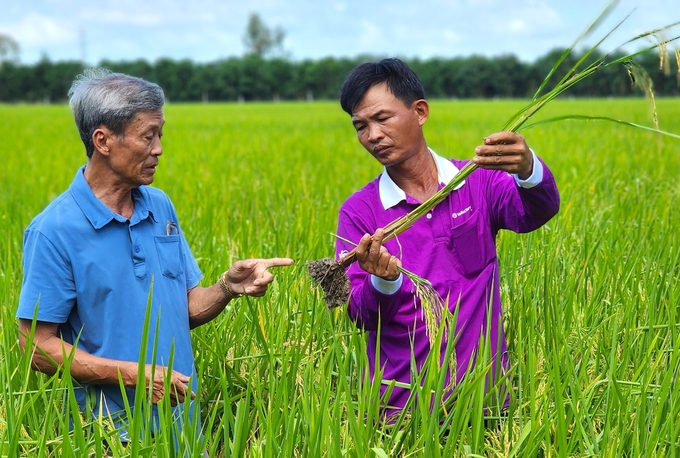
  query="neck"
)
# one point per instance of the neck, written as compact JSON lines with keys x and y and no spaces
{"x":416,"y":176}
{"x":115,"y":195}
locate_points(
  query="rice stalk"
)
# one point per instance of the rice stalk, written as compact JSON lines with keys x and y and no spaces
{"x":663,"y":59}
{"x":643,"y":81}
{"x":329,"y":274}
{"x":433,"y":310}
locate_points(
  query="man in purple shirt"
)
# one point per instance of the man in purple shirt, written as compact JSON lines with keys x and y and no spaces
{"x":453,"y":246}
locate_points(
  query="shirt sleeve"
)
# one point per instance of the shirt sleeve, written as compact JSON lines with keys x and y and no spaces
{"x":388,"y":287}
{"x":48,"y":291}
{"x":536,"y":174}
{"x":523,"y":205}
{"x":371,"y":301}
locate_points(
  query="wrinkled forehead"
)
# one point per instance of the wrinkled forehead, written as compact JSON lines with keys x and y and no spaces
{"x":146,"y":120}
{"x":378,"y":97}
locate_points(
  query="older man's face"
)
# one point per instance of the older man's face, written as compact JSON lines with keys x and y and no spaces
{"x":133,"y":156}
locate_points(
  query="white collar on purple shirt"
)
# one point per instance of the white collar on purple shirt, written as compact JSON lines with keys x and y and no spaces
{"x":391,"y":194}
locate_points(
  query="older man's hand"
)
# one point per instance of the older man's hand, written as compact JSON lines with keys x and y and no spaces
{"x":178,"y":388}
{"x":251,"y":276}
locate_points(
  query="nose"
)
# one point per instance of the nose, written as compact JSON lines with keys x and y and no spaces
{"x":157,"y":148}
{"x":374,"y":133}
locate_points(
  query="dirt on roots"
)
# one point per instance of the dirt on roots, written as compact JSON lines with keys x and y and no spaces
{"x":331,"y":276}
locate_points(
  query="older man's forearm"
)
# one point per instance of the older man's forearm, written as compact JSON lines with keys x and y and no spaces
{"x":205,"y":304}
{"x":52,"y":353}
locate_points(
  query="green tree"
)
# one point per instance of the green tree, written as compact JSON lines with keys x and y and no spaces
{"x":261,"y":40}
{"x":9,"y":49}
{"x":140,"y":68}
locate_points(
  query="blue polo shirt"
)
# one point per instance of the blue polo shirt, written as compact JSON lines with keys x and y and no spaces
{"x":93,"y":272}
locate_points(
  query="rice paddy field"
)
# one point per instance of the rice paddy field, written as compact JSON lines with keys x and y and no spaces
{"x":590,"y":300}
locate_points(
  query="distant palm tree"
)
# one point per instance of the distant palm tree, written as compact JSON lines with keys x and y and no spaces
{"x":259,"y":39}
{"x":9,"y":48}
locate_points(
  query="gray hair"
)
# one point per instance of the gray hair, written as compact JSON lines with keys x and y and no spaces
{"x":99,"y":97}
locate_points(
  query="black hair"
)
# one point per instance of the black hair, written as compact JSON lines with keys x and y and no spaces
{"x":401,"y":81}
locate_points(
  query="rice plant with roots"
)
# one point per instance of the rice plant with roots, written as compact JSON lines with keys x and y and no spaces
{"x":330,"y":274}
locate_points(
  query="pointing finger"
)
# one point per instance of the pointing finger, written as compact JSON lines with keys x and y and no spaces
{"x":276,"y":262}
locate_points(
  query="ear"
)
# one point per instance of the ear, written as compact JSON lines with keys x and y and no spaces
{"x":422,"y":109}
{"x":101,"y":138}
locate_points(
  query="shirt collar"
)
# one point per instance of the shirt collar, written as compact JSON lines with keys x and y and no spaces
{"x":99,"y":214}
{"x":391,"y":194}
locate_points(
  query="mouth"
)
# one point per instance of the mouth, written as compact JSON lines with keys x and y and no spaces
{"x":379,"y":149}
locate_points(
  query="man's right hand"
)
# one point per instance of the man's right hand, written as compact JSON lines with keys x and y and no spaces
{"x":374,"y":258}
{"x":91,"y":369}
{"x":178,"y":388}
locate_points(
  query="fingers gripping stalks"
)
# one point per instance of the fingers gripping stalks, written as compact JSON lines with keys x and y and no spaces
{"x":331,"y":276}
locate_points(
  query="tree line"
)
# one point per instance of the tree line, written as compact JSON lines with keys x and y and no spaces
{"x":254,"y":77}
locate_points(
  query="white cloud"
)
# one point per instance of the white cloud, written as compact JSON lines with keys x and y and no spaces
{"x":148,"y":18}
{"x":37,"y":30}
{"x":517,"y":25}
{"x":371,"y":34}
{"x":450,"y":36}
{"x":210,"y":29}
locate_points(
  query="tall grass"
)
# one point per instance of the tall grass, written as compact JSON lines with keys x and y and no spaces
{"x":590,"y":299}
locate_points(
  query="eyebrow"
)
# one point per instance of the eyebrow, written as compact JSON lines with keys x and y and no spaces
{"x":377,"y":114}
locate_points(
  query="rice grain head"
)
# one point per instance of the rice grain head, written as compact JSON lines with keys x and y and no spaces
{"x":664,"y":63}
{"x":641,"y":79}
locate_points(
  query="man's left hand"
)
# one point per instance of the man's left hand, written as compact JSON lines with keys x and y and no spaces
{"x":505,"y":151}
{"x":251,"y":276}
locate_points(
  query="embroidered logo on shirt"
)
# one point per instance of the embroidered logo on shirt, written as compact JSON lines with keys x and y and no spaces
{"x":342,"y":254}
{"x":462,"y":212}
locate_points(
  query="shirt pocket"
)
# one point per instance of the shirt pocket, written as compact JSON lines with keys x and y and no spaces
{"x":473,"y":245}
{"x":169,"y":255}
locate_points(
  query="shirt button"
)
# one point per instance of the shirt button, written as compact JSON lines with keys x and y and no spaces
{"x":429,"y":216}
{"x":137,"y":249}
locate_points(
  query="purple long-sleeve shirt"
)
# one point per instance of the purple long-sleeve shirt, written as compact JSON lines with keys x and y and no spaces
{"x":454,"y":247}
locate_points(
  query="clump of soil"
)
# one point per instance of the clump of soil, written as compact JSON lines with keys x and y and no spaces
{"x":330,"y":275}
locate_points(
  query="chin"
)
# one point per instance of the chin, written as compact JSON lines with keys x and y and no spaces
{"x":145,"y":181}
{"x":385,"y":161}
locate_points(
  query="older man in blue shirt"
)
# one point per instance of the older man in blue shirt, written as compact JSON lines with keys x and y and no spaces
{"x":111,"y":246}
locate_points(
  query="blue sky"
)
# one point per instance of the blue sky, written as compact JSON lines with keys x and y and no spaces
{"x":206,"y":30}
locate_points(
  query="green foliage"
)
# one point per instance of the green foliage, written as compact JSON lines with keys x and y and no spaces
{"x":253,"y":77}
{"x":590,"y":300}
{"x":9,"y":48}
{"x":261,"y":40}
